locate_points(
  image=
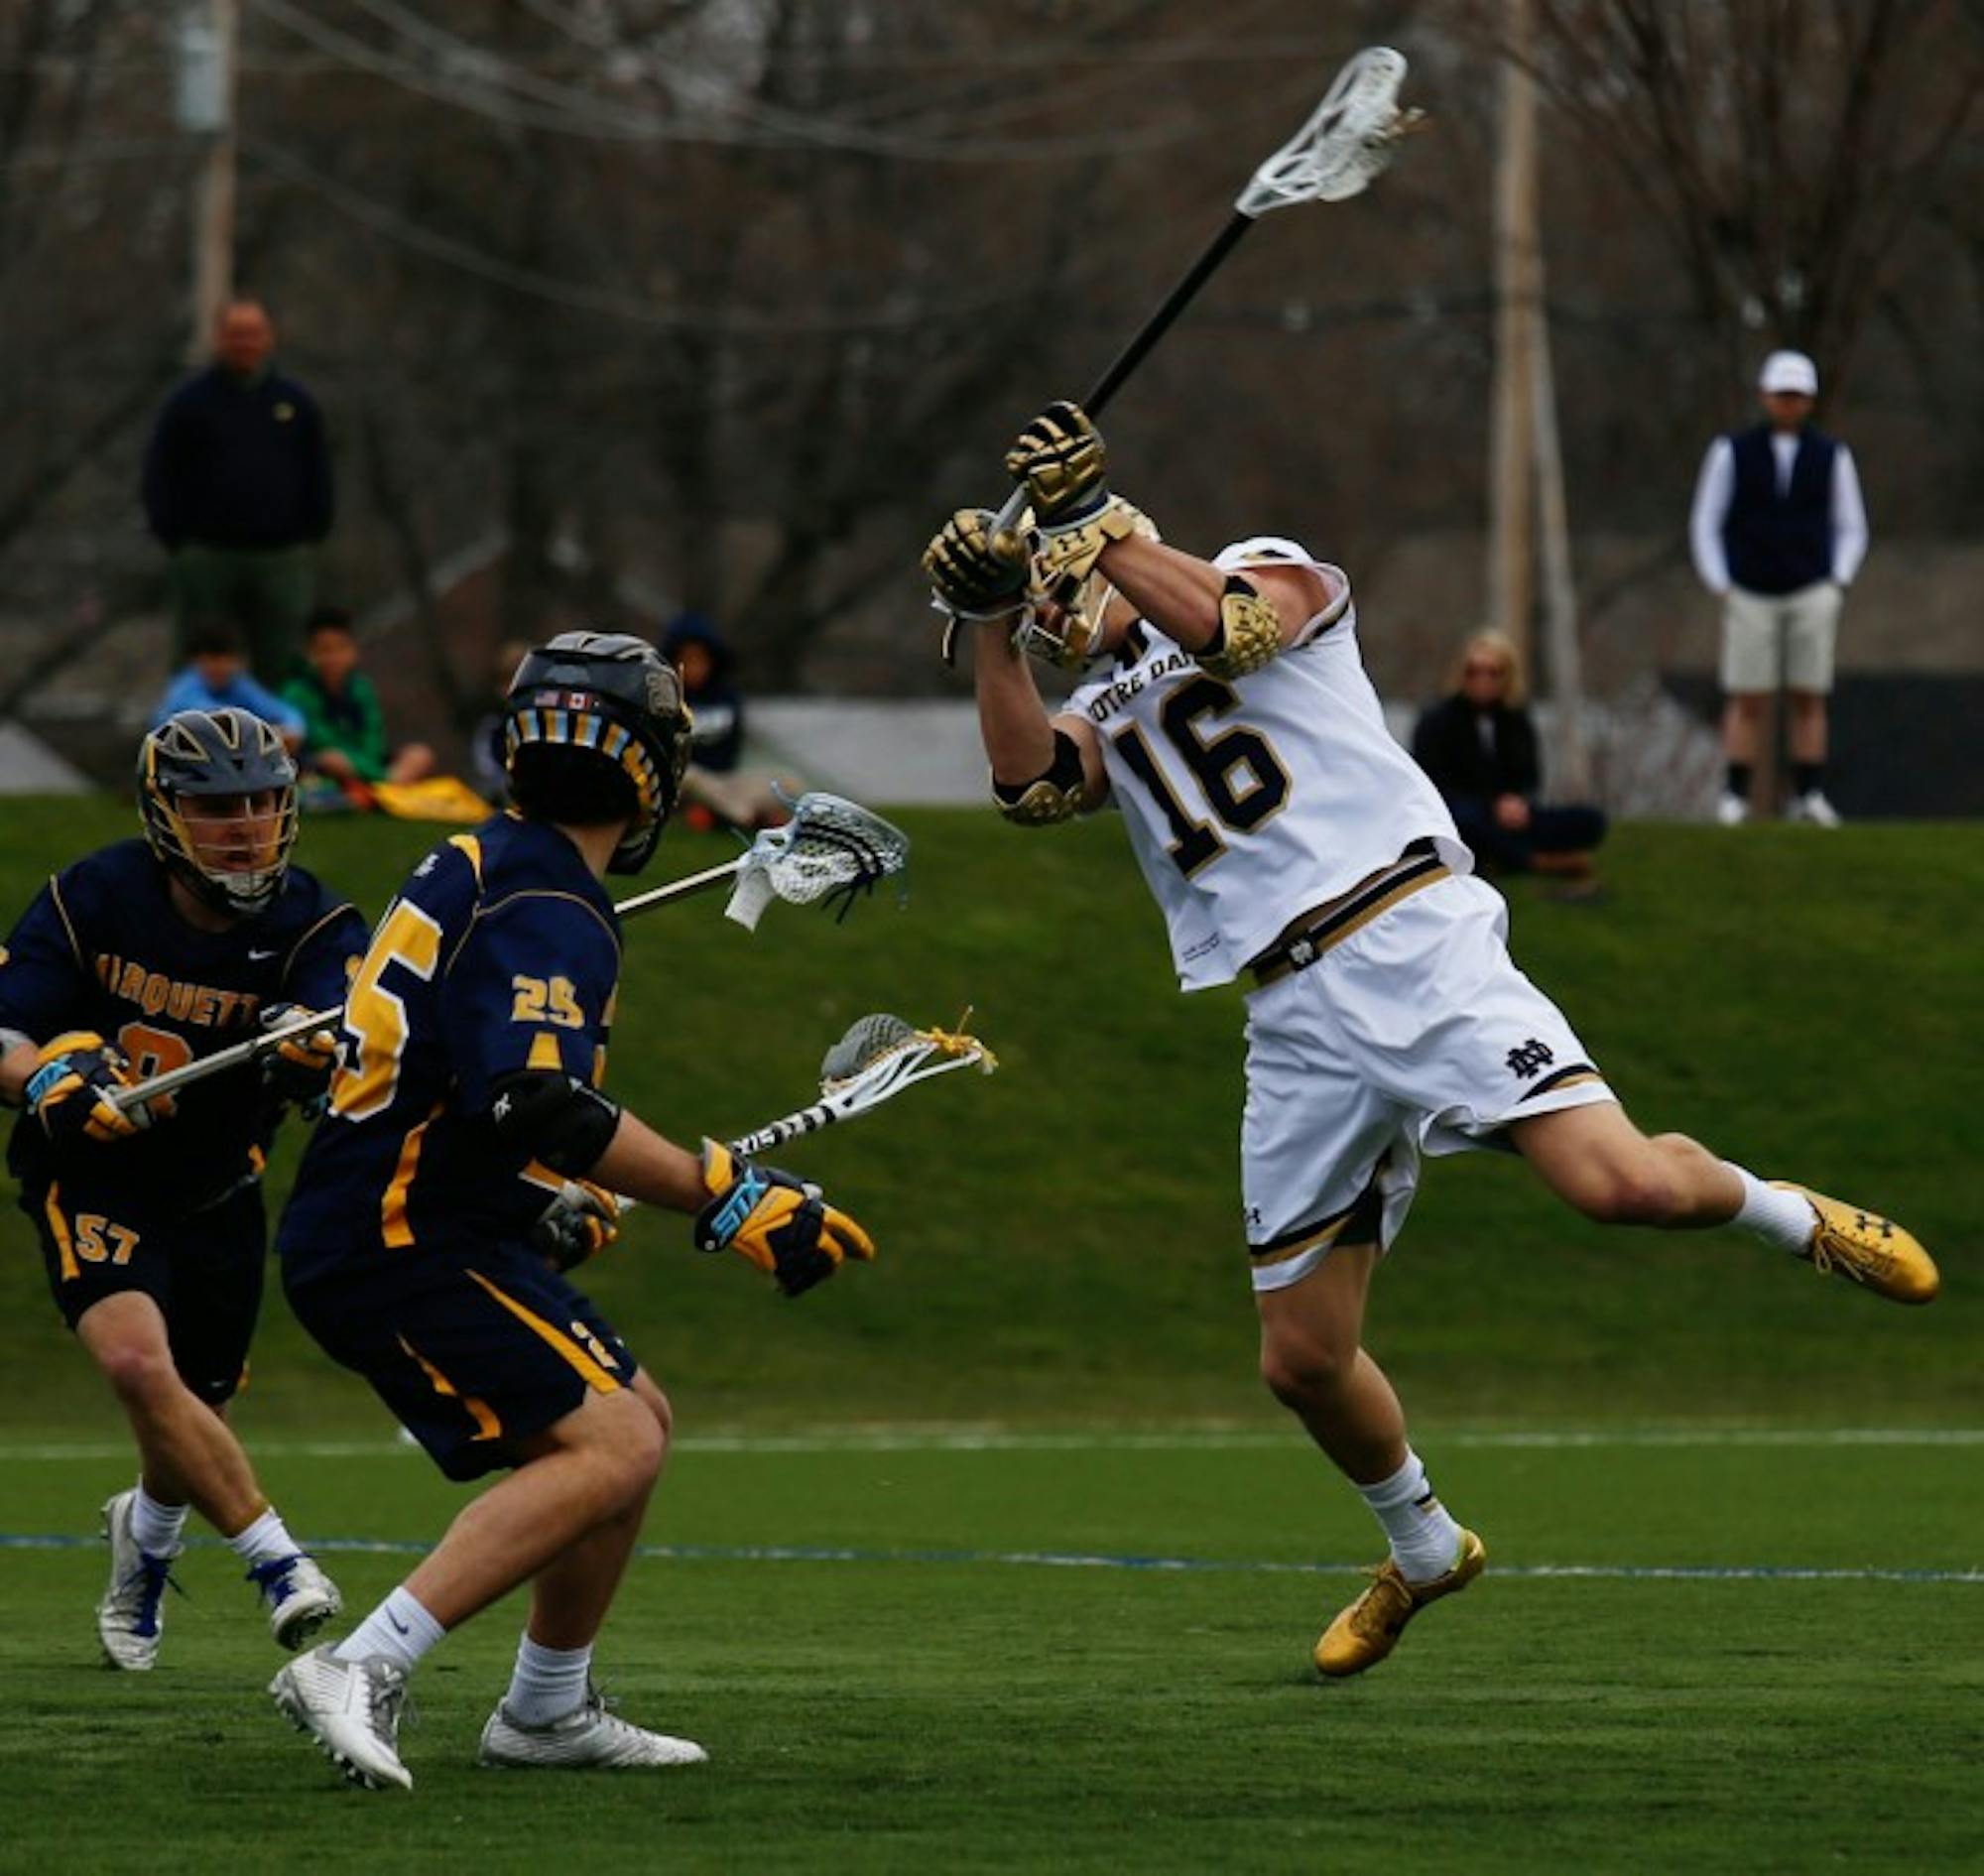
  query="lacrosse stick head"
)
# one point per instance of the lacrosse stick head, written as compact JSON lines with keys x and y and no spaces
{"x":830,"y":850}
{"x":1349,"y":138}
{"x":883,"y":1048}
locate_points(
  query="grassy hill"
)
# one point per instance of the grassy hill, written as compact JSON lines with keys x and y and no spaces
{"x":1061,"y":1243}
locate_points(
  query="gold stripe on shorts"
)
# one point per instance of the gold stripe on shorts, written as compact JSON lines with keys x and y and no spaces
{"x":1311,"y":934}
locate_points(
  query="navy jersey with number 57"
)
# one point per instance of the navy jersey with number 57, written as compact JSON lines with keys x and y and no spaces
{"x":103,"y":947}
{"x":501,"y":952}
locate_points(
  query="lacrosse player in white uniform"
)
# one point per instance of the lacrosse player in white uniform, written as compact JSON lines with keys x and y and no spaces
{"x":1292,"y":843}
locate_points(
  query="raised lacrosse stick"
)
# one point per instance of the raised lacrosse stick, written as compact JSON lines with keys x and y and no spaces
{"x":1348,"y":139}
{"x":831,"y":848}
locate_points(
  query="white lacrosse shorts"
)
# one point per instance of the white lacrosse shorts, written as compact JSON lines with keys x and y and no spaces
{"x":1414,"y":1034}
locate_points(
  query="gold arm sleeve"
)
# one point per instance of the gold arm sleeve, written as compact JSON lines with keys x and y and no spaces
{"x":1250,"y":633}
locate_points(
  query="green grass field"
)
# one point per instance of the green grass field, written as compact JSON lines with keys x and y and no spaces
{"x":874,"y":1623}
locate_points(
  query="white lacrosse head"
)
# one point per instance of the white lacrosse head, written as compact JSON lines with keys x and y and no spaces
{"x":1349,"y":138}
{"x":881,"y":1055}
{"x":831,"y":846}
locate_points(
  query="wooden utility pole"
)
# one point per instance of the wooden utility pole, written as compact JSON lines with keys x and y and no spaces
{"x":1518,"y":291}
{"x":210,"y":34}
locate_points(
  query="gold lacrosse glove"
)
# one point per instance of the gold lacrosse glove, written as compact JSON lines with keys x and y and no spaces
{"x":1060,"y":461}
{"x":976,"y":574}
{"x":779,"y":1224}
{"x":579,"y":1224}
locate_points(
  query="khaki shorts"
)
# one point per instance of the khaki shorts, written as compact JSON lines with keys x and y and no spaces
{"x":1774,"y":639}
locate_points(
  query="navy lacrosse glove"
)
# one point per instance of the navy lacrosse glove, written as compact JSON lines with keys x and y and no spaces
{"x":781,"y":1224}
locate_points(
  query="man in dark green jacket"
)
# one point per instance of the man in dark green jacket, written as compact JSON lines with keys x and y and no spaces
{"x":344,"y":730}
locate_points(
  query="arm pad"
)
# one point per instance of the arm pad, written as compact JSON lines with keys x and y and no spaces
{"x":1249,"y":632}
{"x":553,"y":1118}
{"x":1050,"y":797}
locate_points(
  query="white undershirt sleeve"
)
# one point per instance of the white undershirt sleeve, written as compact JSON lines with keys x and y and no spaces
{"x":1713,"y":489}
{"x":1850,"y":518}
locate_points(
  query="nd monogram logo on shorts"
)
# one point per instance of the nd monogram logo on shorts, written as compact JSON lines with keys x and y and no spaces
{"x":1528,"y":1059}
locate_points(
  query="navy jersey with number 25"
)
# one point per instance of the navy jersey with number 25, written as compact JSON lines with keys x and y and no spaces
{"x":501,"y":952}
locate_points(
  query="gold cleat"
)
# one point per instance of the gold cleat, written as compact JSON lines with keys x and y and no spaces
{"x":1369,"y":1629}
{"x":1866,"y":1248}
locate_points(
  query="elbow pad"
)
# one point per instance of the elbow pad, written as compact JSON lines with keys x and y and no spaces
{"x":1249,"y":634}
{"x":553,"y":1118}
{"x":1053,"y":796}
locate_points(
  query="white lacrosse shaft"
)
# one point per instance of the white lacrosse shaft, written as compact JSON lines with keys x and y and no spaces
{"x":881,"y":1081}
{"x":236,"y":1056}
{"x":1348,"y":138}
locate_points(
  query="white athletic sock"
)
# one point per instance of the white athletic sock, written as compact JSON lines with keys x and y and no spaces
{"x":1779,"y":1217}
{"x":549,"y":1681}
{"x":156,"y":1527}
{"x":263,"y":1541}
{"x":399,"y":1629}
{"x":1425,"y":1540}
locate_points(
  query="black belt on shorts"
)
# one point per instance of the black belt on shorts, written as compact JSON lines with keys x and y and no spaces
{"x":1309,"y":935}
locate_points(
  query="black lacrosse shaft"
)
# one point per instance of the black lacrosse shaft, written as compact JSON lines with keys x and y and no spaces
{"x":1160,"y":322}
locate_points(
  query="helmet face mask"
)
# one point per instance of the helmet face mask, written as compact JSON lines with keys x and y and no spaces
{"x":1060,"y":623}
{"x":218,"y":798}
{"x":595,"y":728}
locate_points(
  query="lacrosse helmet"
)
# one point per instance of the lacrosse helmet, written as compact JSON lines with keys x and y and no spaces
{"x":595,"y":729}
{"x":195,"y":756}
{"x":1061,"y":620}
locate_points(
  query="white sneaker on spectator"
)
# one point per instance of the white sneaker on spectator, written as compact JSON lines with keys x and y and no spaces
{"x":1814,"y":810}
{"x":1731,"y":811}
{"x":351,"y":1709}
{"x":299,"y":1596}
{"x":130,"y":1618}
{"x":591,"y":1735}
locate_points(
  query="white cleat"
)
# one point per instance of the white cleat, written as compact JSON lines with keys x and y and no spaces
{"x":1813,"y":809}
{"x":1731,"y":811}
{"x":130,"y":1619}
{"x":351,"y":1709}
{"x":589,"y":1736}
{"x":300,"y":1597}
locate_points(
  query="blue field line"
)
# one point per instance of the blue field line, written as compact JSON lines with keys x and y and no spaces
{"x":1102,"y":1560}
{"x":995,"y":1438}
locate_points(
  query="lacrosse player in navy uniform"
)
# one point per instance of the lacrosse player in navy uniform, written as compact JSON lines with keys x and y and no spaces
{"x":135,"y":961}
{"x":1290,"y":842}
{"x":466,"y":1163}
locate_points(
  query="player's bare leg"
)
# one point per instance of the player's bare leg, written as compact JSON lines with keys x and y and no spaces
{"x":1596,"y":1159}
{"x":552,"y":1714}
{"x":1314,"y":1361}
{"x":188,"y":1455}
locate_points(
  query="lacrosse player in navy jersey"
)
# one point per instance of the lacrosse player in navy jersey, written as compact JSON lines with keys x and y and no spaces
{"x":136,"y":960}
{"x":1290,"y":842}
{"x":466,"y":1163}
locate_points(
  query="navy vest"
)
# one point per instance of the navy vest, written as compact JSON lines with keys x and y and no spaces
{"x":1780,"y":542}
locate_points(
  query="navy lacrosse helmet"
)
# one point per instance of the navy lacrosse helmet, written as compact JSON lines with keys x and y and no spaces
{"x":196,"y":755}
{"x":595,"y":728}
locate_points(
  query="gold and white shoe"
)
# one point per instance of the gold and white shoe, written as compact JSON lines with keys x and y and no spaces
{"x":1369,"y":1629}
{"x":1866,"y":1248}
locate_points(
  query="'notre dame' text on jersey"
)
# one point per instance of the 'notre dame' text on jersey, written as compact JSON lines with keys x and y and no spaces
{"x":1249,"y":802}
{"x":102,"y":947}
{"x":501,"y":954}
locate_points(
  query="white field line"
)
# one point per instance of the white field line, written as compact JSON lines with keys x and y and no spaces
{"x":1173,"y":1439}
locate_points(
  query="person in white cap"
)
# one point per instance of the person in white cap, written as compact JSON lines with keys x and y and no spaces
{"x":1778,"y":531}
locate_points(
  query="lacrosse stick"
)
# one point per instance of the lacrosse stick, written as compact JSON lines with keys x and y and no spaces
{"x":878,"y":1058}
{"x":831,"y":848}
{"x":1348,"y":139}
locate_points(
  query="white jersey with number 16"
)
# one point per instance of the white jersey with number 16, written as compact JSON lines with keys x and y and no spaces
{"x":1251,"y":801}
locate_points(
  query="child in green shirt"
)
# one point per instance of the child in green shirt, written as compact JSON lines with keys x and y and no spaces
{"x":345,"y":730}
